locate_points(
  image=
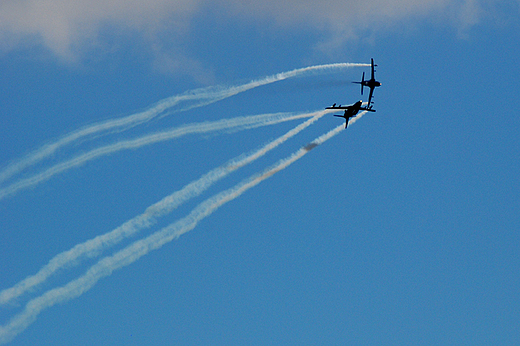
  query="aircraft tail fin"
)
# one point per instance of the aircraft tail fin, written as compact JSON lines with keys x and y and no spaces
{"x":362,"y":82}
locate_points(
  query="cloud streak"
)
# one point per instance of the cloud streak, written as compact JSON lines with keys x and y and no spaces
{"x":138,"y":249}
{"x":93,"y":247}
{"x":67,"y":27}
{"x":63,"y":25}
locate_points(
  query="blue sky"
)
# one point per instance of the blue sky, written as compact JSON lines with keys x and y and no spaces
{"x":402,"y":229}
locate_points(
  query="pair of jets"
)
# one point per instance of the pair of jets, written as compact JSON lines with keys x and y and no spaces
{"x":352,"y":110}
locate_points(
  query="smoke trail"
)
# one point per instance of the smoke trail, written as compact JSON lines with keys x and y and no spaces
{"x":204,"y":96}
{"x":139,"y":248}
{"x":235,"y":124}
{"x":94,"y":246}
{"x":220,"y":93}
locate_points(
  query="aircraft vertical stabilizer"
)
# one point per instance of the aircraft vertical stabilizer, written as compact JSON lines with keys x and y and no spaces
{"x":362,"y":82}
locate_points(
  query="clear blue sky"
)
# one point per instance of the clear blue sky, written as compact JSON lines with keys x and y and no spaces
{"x":401,"y":230}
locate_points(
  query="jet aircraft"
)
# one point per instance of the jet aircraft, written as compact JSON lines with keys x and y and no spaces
{"x":350,"y":111}
{"x":372,"y":83}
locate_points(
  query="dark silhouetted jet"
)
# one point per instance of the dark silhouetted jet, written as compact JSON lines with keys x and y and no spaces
{"x":350,"y":111}
{"x":371,"y":83}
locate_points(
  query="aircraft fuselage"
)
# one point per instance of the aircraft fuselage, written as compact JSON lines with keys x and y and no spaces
{"x":350,"y":111}
{"x":372,"y":84}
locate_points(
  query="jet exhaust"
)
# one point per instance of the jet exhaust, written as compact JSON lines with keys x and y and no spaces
{"x":95,"y":246}
{"x":201,"y":97}
{"x":235,"y":124}
{"x":128,"y":255}
{"x":106,"y":266}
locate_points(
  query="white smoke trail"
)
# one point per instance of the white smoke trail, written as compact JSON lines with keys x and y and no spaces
{"x":220,"y":93}
{"x":139,"y":248}
{"x":94,"y":246}
{"x":204,"y":96}
{"x":234,"y":124}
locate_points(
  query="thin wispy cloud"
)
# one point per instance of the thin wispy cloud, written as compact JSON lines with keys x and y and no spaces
{"x":69,"y":27}
{"x":63,"y":25}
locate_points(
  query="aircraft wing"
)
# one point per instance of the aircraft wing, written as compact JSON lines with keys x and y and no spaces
{"x":373,"y":69}
{"x":339,"y":107}
{"x":370,"y":97}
